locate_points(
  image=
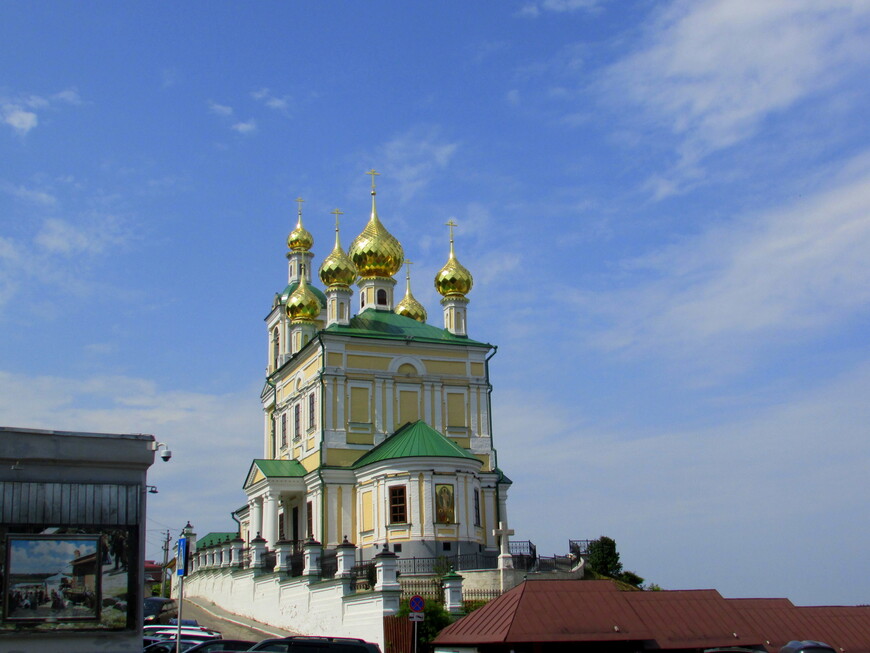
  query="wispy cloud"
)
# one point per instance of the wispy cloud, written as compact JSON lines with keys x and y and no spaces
{"x":247,"y":127}
{"x":712,"y":72}
{"x":790,"y":272}
{"x":38,"y":197}
{"x":20,"y":112}
{"x":534,"y":9}
{"x":413,"y":158}
{"x":45,"y":258}
{"x":278,"y":103}
{"x":220,"y":109}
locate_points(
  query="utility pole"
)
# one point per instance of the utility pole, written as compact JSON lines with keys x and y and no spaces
{"x":165,"y":562}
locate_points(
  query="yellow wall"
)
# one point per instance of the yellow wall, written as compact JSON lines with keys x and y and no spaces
{"x":445,"y":367}
{"x":368,"y":362}
{"x":367,"y":518}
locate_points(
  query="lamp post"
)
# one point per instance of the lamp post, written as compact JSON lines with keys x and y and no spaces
{"x":181,"y":570}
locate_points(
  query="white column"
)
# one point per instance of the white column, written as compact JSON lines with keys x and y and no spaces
{"x":270,"y":519}
{"x":256,"y":510}
{"x":439,"y":402}
{"x":428,"y":417}
{"x":379,"y":403}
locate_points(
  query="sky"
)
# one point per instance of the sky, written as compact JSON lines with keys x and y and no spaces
{"x":665,"y":207}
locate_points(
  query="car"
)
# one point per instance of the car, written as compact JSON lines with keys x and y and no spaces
{"x":806,"y":646}
{"x":169,"y":646}
{"x":187,"y":633}
{"x":159,"y":610}
{"x":222,"y":645}
{"x":308,"y":644}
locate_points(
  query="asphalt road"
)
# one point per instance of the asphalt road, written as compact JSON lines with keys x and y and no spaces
{"x":229,"y":625}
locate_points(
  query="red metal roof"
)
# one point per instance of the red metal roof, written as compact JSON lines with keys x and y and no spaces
{"x":596,"y":611}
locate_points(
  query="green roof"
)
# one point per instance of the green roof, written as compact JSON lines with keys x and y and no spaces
{"x":211,"y":539}
{"x":414,"y":440}
{"x":372,"y":323}
{"x":279,"y":468}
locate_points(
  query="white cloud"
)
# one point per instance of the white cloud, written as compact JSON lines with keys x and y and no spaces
{"x":20,"y":120}
{"x":676,"y":497}
{"x":61,"y":237}
{"x":247,"y":127}
{"x":220,"y":109}
{"x":272,"y":101}
{"x":712,"y":72}
{"x":534,"y":9}
{"x":29,"y":195}
{"x":737,"y":286}
{"x":20,"y":112}
{"x":411,"y":159}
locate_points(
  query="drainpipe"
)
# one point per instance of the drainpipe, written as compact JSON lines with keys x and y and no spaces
{"x":323,"y":533}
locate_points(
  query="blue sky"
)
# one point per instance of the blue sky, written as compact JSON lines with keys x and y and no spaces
{"x":665,"y":205}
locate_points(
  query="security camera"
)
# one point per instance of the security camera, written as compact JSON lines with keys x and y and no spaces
{"x":166,"y":454}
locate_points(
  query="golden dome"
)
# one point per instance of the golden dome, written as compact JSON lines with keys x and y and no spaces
{"x":375,"y":252}
{"x":409,"y":306}
{"x":337,"y":269}
{"x":453,"y":279}
{"x":300,"y":239}
{"x":302,"y":304}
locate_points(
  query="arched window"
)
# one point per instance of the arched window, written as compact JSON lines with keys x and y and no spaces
{"x":382,"y":297}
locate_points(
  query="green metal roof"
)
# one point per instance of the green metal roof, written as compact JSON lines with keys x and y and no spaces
{"x":279,"y":468}
{"x":211,"y":539}
{"x":414,"y":440}
{"x":372,"y":323}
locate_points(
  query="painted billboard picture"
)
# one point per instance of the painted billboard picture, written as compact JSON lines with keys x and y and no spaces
{"x":53,"y":578}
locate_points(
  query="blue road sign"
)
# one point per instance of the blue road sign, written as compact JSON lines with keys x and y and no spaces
{"x":181,"y":558}
{"x":416,"y":603}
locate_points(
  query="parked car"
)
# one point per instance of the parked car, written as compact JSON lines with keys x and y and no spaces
{"x":169,"y":646}
{"x":189,"y":633}
{"x":159,"y":610}
{"x":222,"y":645}
{"x":306,"y":644}
{"x":806,"y":646}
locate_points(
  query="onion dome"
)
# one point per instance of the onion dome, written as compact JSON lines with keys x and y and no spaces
{"x":337,"y":269}
{"x":453,"y":279}
{"x":409,"y":306}
{"x":302,"y":304}
{"x":375,"y":252}
{"x":300,"y":239}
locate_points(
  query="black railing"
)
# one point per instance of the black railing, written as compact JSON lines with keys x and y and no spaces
{"x":523,"y":548}
{"x":328,"y":563}
{"x":579,"y":548}
{"x":443,"y":564}
{"x":363,"y":576}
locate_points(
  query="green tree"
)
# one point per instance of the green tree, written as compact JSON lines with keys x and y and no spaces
{"x":603,"y":558}
{"x":436,"y":619}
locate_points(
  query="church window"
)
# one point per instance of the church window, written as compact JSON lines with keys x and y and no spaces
{"x":362,"y":300}
{"x":312,"y":411}
{"x":297,"y":419}
{"x":283,"y":429}
{"x":397,"y":548}
{"x":382,"y":297}
{"x":310,"y":518}
{"x":398,"y":505}
{"x":476,"y":507}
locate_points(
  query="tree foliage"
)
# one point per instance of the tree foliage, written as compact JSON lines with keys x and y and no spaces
{"x":603,"y":558}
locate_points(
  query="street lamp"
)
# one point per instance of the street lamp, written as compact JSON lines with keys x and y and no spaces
{"x":181,"y":569}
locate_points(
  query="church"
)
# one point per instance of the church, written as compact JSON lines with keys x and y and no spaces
{"x":377,"y":424}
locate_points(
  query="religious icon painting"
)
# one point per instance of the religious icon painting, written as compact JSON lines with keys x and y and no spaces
{"x":444,"y":511}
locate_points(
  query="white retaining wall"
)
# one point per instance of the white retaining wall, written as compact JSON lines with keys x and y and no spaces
{"x":317,"y":607}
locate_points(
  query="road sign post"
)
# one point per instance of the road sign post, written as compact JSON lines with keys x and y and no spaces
{"x":416,"y":604}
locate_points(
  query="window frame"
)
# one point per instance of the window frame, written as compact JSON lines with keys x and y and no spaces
{"x":398,"y":504}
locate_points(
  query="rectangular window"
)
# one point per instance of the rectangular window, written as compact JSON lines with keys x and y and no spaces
{"x":476,"y":507}
{"x":283,"y":429}
{"x":312,"y":411}
{"x":310,"y":518}
{"x":297,"y":419}
{"x":398,"y":505}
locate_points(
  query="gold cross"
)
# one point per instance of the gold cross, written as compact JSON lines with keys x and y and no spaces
{"x":373,"y":174}
{"x":299,"y":201}
{"x":450,"y":223}
{"x":408,"y":265}
{"x":336,"y":213}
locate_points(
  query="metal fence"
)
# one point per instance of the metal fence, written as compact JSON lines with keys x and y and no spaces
{"x":442,"y":564}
